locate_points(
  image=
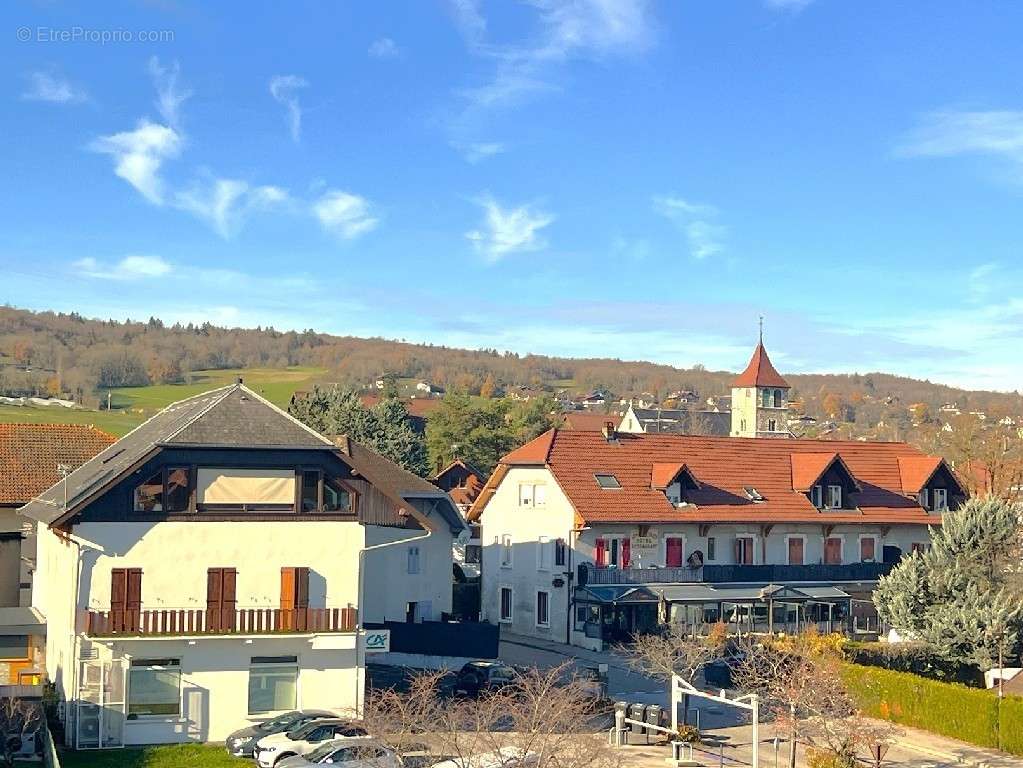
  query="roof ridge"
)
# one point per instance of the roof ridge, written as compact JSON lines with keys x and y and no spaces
{"x":224,"y":392}
{"x":287,"y":415}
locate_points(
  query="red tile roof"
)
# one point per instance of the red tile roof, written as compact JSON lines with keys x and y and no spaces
{"x":916,"y":471}
{"x":416,"y":406}
{"x":662,"y":475}
{"x":589,"y":420}
{"x":725,"y":466}
{"x":30,"y":453}
{"x":760,"y":372}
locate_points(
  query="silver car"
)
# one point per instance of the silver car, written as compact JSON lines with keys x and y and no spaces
{"x":349,"y":753}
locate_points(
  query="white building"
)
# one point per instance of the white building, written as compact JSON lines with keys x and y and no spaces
{"x":590,"y":537}
{"x":213,"y":568}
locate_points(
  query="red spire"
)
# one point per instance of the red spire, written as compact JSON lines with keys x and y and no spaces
{"x":760,"y":372}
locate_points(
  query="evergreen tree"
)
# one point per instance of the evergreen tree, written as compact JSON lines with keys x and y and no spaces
{"x":963,"y":595}
{"x":397,"y":440}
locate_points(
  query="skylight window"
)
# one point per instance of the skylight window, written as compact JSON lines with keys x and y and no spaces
{"x":752,"y":493}
{"x":607,"y":481}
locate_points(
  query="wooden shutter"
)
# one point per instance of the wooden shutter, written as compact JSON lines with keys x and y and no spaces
{"x":795,"y":551}
{"x":601,"y":554}
{"x":133,"y":598}
{"x":626,"y":555}
{"x":833,"y":551}
{"x":118,"y":596}
{"x":301,"y":587}
{"x":287,"y":589}
{"x":221,"y":600}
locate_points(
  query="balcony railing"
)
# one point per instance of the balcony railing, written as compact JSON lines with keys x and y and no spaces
{"x":241,"y":621}
{"x":723,"y":574}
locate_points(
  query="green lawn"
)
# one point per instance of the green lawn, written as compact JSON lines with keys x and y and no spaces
{"x":133,"y":405}
{"x":170,"y":756}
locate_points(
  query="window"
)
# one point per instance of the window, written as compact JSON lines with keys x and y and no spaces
{"x":765,"y":398}
{"x":711,"y":549}
{"x":310,"y":491}
{"x":413,"y":559}
{"x":560,"y":553}
{"x":777,"y":398}
{"x":607,"y":482}
{"x":674,"y":551}
{"x":506,"y":551}
{"x":817,"y":496}
{"x":772,"y":425}
{"x":168,"y":490}
{"x":940,"y":499}
{"x":744,"y":550}
{"x":833,"y":550}
{"x":795,"y":547}
{"x":149,"y":495}
{"x":543,"y":617}
{"x":14,"y":646}
{"x":543,"y":554}
{"x":868,"y":547}
{"x":525,"y":495}
{"x":834,"y":497}
{"x":273,"y":684}
{"x":154,"y":687}
{"x":273,"y":489}
{"x":923,"y":498}
{"x":473,"y":554}
{"x":337,"y":498}
{"x":539,"y":495}
{"x":506,"y":604}
{"x":919,"y":546}
{"x":179,"y":492}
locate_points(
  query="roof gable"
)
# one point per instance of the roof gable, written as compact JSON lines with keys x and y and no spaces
{"x":760,"y":372}
{"x":537,"y":449}
{"x":664,"y":474}
{"x":915,"y":471}
{"x":807,"y":469}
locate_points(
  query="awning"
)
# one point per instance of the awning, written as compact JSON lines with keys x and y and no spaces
{"x":619,"y":594}
{"x":708,"y":593}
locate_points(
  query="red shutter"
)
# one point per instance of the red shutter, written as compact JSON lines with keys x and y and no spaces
{"x":601,"y":554}
{"x":795,"y":551}
{"x":867,"y":549}
{"x":673,"y":553}
{"x":626,"y":552}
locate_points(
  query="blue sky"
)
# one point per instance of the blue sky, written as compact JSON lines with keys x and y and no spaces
{"x":585,"y":178}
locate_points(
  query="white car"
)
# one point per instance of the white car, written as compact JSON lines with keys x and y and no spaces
{"x":506,"y":757}
{"x":351,"y":753}
{"x":304,"y":739}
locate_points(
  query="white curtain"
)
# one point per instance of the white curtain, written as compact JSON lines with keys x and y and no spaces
{"x":246,"y":486}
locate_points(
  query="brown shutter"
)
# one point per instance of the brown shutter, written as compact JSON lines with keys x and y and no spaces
{"x":133,"y":598}
{"x":118,"y":595}
{"x":301,"y":587}
{"x":287,"y":589}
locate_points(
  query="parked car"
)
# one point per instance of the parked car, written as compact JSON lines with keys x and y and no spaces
{"x":506,"y":757}
{"x":718,"y":673}
{"x":352,"y":753}
{"x":479,"y":676}
{"x":242,"y":742}
{"x":590,"y":680}
{"x":304,"y":739}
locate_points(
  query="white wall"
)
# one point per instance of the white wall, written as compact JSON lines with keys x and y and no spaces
{"x":215,"y":680}
{"x":503,"y":515}
{"x":388,"y":586}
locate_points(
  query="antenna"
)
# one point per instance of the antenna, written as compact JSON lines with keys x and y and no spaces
{"x":64,"y":470}
{"x":761,"y":329}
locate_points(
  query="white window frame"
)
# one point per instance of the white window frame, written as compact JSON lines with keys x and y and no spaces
{"x":817,"y":496}
{"x":525,"y":494}
{"x":547,"y":593}
{"x":924,"y":498}
{"x":664,"y":547}
{"x":941,"y":493}
{"x":511,"y":604}
{"x":877,"y":548}
{"x":830,"y":499}
{"x":841,"y":548}
{"x":772,"y":425}
{"x":564,"y":552}
{"x":506,"y":548}
{"x":413,"y":563}
{"x":707,"y":554}
{"x":753,"y":545}
{"x":539,"y":494}
{"x":788,"y":537}
{"x":175,"y":666}
{"x":544,"y":545}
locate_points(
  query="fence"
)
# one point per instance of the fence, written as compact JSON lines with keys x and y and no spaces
{"x":443,"y":638}
{"x":188,"y":621}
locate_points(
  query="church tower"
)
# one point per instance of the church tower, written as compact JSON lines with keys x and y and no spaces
{"x":760,"y":398}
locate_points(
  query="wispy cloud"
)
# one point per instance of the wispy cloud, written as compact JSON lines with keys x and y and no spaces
{"x":792,"y":6}
{"x":476,"y":152}
{"x":170,"y":95}
{"x":704,"y":235}
{"x":506,"y":231}
{"x":384,"y":48}
{"x":225,"y":203}
{"x":128,"y":268}
{"x":284,"y":88}
{"x":43,"y":86}
{"x":948,"y":133}
{"x":139,"y":154}
{"x":344,"y":214}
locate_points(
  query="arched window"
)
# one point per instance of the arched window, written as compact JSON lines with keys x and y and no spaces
{"x":777,"y":398}
{"x":766,"y":398}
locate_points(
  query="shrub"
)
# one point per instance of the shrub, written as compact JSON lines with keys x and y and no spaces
{"x":688,"y":733}
{"x":918,"y":658}
{"x":826,"y":758}
{"x":949,"y":709}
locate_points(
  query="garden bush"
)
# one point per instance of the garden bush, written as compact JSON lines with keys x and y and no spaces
{"x":948,"y":709}
{"x":918,"y":658}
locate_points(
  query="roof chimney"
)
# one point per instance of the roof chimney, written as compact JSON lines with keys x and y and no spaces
{"x":239,"y":380}
{"x":609,"y":431}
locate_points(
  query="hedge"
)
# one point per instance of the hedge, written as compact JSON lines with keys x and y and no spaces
{"x":948,"y":709}
{"x":918,"y":658}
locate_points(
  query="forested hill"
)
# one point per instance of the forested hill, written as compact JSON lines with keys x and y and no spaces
{"x":53,"y":353}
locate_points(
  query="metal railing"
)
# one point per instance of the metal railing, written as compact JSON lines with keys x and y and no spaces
{"x":242,"y":621}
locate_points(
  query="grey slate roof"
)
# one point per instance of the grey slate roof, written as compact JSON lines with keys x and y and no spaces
{"x":232,"y":416}
{"x":682,"y":421}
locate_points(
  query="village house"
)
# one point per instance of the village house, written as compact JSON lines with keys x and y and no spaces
{"x":32,"y":458}
{"x":590,"y":537}
{"x":214,"y":566}
{"x":680,"y":421}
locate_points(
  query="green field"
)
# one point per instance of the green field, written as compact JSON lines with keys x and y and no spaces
{"x":171,"y":756}
{"x":130,"y":406}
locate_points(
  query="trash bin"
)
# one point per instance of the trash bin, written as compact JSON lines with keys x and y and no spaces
{"x":637,"y":712}
{"x":653,"y":716}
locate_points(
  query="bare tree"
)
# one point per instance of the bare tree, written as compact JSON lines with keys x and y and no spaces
{"x":543,"y":714}
{"x":19,"y":721}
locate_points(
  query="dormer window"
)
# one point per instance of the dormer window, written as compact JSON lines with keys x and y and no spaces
{"x":817,"y":496}
{"x":924,"y":498}
{"x":834,"y":497}
{"x":168,"y":490}
{"x":940,"y":499}
{"x":607,"y":482}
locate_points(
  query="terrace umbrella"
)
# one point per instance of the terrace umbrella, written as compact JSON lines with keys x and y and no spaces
{"x":662,"y":609}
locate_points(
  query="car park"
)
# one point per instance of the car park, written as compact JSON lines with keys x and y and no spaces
{"x":304,"y":739}
{"x":242,"y":742}
{"x":351,"y":753}
{"x":477,"y":677}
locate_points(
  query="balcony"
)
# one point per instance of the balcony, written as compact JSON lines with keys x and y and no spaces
{"x":729,"y":574}
{"x":242,"y":621}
